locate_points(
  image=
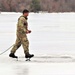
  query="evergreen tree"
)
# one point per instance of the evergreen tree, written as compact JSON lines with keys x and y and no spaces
{"x":35,"y":6}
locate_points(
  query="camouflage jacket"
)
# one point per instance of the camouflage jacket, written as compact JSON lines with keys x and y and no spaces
{"x":22,"y":25}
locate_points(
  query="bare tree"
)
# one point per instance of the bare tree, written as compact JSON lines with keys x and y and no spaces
{"x":46,"y":5}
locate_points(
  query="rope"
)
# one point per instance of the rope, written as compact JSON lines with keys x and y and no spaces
{"x":6,"y":50}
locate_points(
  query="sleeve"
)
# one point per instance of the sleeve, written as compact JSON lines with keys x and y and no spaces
{"x":21,"y":22}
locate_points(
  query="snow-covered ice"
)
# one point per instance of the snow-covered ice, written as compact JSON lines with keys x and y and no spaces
{"x":52,"y":41}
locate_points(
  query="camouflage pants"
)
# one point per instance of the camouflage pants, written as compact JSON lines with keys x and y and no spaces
{"x":21,"y":40}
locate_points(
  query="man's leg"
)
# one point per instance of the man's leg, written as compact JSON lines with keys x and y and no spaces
{"x":25,"y":44}
{"x":16,"y":46}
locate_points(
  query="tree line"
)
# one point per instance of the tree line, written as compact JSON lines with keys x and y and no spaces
{"x":38,"y":5}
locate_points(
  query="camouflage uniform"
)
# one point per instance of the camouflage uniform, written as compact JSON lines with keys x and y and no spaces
{"x":21,"y":35}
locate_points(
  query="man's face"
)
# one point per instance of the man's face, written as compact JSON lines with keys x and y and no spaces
{"x":26,"y":14}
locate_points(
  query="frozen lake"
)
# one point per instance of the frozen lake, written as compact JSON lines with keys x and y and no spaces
{"x":51,"y":33}
{"x":52,"y":41}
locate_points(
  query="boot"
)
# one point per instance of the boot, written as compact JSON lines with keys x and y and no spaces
{"x":12,"y":55}
{"x":29,"y":55}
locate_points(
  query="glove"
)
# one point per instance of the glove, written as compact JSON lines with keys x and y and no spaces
{"x":28,"y":31}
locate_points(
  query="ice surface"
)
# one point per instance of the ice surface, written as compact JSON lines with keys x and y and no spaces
{"x":52,"y":41}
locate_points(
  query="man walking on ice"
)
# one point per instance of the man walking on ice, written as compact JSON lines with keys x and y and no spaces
{"x":22,"y":31}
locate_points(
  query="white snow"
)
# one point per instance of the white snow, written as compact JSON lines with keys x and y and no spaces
{"x":52,"y":41}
